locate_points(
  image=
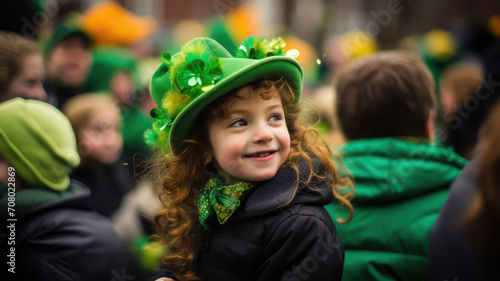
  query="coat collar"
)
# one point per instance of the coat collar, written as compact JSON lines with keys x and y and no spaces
{"x":282,"y":190}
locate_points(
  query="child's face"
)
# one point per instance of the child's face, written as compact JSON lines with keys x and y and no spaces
{"x":252,"y":142}
{"x":28,"y":83}
{"x":100,"y":141}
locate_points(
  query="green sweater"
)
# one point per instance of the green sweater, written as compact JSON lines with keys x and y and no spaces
{"x":400,"y":188}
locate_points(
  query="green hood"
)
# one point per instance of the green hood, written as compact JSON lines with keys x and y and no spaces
{"x":400,"y":188}
{"x":389,"y":169}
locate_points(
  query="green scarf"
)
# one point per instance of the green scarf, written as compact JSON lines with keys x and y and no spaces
{"x":222,"y":199}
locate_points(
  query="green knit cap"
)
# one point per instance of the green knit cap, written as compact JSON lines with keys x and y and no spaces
{"x":62,"y":31}
{"x":38,"y":141}
{"x":203,"y":71}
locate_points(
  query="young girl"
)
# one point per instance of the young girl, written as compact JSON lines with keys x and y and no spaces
{"x":22,"y":68}
{"x":243,"y":184}
{"x":96,"y":120}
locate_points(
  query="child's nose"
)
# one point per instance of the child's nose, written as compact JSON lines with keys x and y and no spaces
{"x":262,"y":134}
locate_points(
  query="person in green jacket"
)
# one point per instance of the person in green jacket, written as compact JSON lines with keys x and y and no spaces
{"x":386,"y":109}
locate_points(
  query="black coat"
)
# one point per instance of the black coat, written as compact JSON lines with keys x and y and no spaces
{"x":451,"y":256}
{"x":280,"y":232}
{"x":59,"y":238}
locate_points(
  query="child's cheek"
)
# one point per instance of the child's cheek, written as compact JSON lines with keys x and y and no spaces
{"x":230,"y":158}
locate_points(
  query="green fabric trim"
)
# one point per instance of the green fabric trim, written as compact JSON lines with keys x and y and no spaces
{"x":387,"y":169}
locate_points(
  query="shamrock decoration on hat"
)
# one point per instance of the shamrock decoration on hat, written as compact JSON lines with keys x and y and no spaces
{"x":203,"y":71}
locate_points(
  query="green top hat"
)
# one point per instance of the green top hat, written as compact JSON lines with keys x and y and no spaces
{"x":203,"y":71}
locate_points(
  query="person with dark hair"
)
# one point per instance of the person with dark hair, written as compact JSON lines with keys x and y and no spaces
{"x":386,"y":107}
{"x":68,"y":59}
{"x":464,"y":242}
{"x":22,"y":68}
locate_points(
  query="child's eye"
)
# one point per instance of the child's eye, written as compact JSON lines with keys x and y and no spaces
{"x":238,"y":123}
{"x":275,"y":117}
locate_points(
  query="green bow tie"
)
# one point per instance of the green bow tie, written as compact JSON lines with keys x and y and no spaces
{"x":224,"y":200}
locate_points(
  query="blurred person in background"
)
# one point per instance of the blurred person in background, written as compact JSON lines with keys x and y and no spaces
{"x":115,"y":72}
{"x":386,"y":109}
{"x":95,"y":118}
{"x":473,"y":111}
{"x":458,"y":82}
{"x":68,"y":59}
{"x":21,"y":70}
{"x":464,"y":242}
{"x":58,"y":236}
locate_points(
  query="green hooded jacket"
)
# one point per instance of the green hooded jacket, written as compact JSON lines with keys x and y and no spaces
{"x":400,"y":188}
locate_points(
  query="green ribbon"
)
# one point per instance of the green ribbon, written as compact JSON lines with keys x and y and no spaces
{"x":220,"y":199}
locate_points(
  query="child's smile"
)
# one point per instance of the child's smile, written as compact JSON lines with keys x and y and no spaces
{"x":252,"y":142}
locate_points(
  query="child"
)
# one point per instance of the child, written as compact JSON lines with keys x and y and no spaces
{"x":385,"y":105}
{"x":22,"y":68}
{"x":243,"y":184}
{"x":57,"y":235}
{"x":96,"y":121}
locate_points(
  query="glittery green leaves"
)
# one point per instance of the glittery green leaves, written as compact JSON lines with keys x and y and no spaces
{"x":192,"y":72}
{"x":161,"y":128}
{"x":198,"y":74}
{"x":222,"y":200}
{"x":259,"y":48}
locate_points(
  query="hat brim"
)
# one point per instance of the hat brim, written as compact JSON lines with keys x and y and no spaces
{"x":242,"y":71}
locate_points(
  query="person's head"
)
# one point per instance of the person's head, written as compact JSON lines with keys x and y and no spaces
{"x":68,"y":56}
{"x":37,"y":140}
{"x":238,"y":93}
{"x":457,"y":82}
{"x":115,"y":70}
{"x":247,"y":131}
{"x":389,"y":94}
{"x":96,"y":121}
{"x":22,"y":69}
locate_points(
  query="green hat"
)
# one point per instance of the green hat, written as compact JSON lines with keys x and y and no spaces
{"x":203,"y":71}
{"x":62,"y":31}
{"x":38,"y":141}
{"x":107,"y":62}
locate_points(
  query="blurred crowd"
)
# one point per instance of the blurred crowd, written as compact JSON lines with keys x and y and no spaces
{"x":75,"y":104}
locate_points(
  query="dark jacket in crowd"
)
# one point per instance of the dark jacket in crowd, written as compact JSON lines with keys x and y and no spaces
{"x":280,"y":232}
{"x":59,"y":238}
{"x":451,"y":256}
{"x":108,"y":186}
{"x":58,"y":95}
